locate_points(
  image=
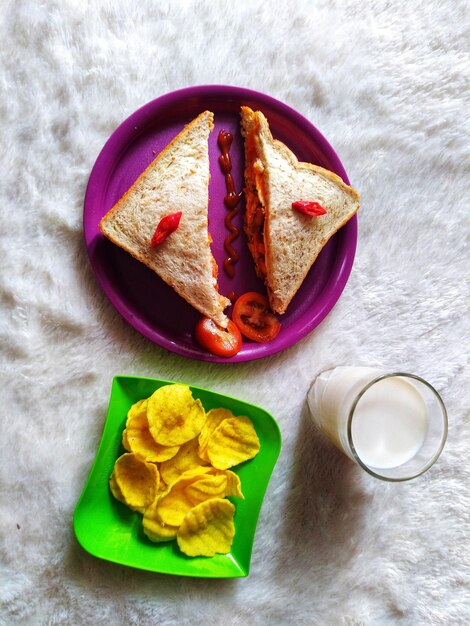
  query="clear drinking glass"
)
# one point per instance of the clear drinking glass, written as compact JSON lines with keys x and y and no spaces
{"x":394,"y":425}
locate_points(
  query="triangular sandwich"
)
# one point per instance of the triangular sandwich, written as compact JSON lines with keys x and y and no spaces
{"x":176,"y":181}
{"x":285,"y":242}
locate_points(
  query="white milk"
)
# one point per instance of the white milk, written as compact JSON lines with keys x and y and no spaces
{"x":390,"y":420}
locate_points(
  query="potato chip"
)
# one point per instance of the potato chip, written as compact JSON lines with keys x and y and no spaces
{"x":141,"y":442}
{"x":211,"y":486}
{"x":207,"y":529}
{"x":136,"y":410}
{"x":232,"y":442}
{"x":188,"y":491}
{"x":234,"y":485}
{"x":136,"y":480}
{"x":186,"y":459}
{"x":213,"y":419}
{"x":162,"y":487}
{"x":125,"y":443}
{"x":155,"y":529}
{"x":115,"y":489}
{"x":174,"y":416}
{"x":198,"y":471}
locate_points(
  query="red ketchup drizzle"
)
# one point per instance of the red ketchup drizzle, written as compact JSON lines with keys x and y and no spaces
{"x":231,"y":201}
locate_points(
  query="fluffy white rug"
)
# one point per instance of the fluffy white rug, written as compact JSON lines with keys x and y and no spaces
{"x":389,"y":87}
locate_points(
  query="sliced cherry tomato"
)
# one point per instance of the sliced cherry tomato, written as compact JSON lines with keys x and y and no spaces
{"x":254,"y":318}
{"x":219,"y":341}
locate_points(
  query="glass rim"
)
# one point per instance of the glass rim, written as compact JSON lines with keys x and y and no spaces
{"x":435,"y":456}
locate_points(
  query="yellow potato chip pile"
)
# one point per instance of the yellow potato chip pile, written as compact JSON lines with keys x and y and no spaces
{"x":176,"y":469}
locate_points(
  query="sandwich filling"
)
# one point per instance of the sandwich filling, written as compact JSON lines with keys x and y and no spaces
{"x":255,"y":206}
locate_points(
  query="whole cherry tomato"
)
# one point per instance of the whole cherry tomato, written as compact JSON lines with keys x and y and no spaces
{"x":220,"y":341}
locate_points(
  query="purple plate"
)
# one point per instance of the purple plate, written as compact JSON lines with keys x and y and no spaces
{"x":137,"y":293}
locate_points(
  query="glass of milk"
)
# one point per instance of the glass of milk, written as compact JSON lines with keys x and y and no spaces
{"x":394,"y":425}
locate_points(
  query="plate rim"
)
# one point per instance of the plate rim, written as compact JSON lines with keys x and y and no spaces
{"x":341,"y":271}
{"x":242,"y":570}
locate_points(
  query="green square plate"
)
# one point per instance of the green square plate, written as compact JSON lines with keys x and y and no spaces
{"x":109,"y":530}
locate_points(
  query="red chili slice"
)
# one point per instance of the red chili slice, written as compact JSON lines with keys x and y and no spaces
{"x":166,"y":226}
{"x":308,"y":208}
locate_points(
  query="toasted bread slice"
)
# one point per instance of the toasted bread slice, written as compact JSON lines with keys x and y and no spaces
{"x":176,"y":180}
{"x":285,"y":243}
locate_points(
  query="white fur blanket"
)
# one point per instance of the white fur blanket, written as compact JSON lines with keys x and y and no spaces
{"x":389,"y":87}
